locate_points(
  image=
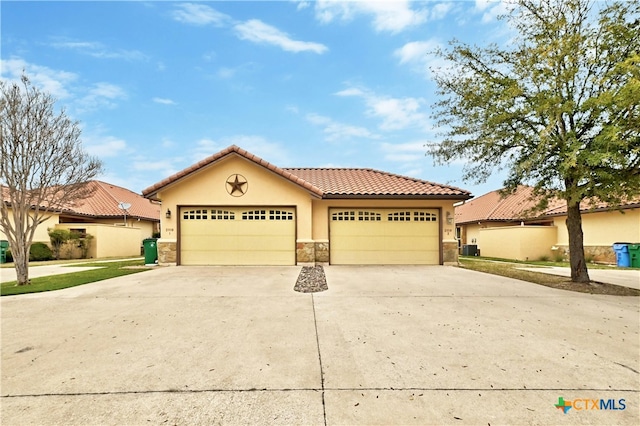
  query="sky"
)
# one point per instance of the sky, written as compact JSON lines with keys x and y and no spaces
{"x":160,"y":85}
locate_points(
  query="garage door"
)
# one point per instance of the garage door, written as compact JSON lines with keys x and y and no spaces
{"x":384,"y":236}
{"x":237,"y":236}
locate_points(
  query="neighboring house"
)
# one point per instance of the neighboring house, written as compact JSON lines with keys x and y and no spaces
{"x":115,"y":232}
{"x":234,"y":208}
{"x":505,"y":227}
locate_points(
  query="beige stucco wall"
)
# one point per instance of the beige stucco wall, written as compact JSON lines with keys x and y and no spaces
{"x":110,"y":240}
{"x":604,"y":228}
{"x":518,"y":242}
{"x":207,"y":187}
{"x":41,"y":235}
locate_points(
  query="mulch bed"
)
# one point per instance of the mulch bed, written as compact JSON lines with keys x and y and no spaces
{"x":311,"y":280}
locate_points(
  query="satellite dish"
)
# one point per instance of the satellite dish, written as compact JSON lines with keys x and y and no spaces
{"x":124,"y":206}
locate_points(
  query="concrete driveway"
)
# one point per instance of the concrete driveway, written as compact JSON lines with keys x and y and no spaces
{"x":384,"y":345}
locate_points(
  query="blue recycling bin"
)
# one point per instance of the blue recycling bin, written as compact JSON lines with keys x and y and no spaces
{"x":623,"y":258}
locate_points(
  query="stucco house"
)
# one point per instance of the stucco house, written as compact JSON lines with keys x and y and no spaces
{"x":234,"y":208}
{"x":115,"y":232}
{"x":506,"y":228}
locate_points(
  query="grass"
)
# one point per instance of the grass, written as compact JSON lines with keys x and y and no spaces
{"x":507,"y":268}
{"x":56,"y":282}
{"x":543,"y":262}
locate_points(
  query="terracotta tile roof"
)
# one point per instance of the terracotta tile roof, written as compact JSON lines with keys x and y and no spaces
{"x":517,"y":206}
{"x":492,"y":206}
{"x":104,"y":199}
{"x":103,"y":202}
{"x":331,"y":183}
{"x":353,"y":183}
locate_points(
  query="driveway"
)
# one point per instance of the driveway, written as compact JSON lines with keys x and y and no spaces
{"x":384,"y":345}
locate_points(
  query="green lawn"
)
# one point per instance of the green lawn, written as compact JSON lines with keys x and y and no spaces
{"x":511,"y":269}
{"x":56,"y":282}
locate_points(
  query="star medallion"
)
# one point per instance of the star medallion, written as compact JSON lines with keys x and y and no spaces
{"x":236,"y":185}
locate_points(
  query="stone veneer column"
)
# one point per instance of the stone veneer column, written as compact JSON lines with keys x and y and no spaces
{"x":322,"y":252}
{"x":450,"y":253}
{"x":167,"y":252}
{"x":305,"y":252}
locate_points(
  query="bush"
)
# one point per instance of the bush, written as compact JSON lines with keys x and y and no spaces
{"x":8,"y":256}
{"x":40,"y":251}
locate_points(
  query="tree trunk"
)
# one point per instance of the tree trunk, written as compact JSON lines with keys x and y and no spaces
{"x":21,"y":263}
{"x":579,"y":273}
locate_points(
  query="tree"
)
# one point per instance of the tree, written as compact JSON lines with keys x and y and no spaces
{"x":559,"y":107}
{"x":43,"y":167}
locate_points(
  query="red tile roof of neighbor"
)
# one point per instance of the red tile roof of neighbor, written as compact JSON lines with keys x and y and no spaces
{"x":332,"y":183}
{"x":103,"y":200}
{"x":517,"y":206}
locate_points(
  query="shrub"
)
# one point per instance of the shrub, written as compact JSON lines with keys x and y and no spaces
{"x":59,"y":238}
{"x":40,"y":251}
{"x":8,"y":256}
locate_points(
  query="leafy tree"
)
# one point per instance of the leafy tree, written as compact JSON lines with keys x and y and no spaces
{"x":559,"y":107}
{"x":43,"y":167}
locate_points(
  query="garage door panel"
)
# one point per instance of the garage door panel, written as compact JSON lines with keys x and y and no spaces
{"x":384,"y":236}
{"x":237,"y":236}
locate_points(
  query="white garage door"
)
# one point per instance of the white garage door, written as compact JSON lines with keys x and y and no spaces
{"x":237,"y":236}
{"x":384,"y":236}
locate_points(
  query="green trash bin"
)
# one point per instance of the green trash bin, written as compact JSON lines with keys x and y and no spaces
{"x":150,"y":251}
{"x":4,"y":246}
{"x":634,"y":254}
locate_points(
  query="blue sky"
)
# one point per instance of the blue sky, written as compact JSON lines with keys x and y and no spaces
{"x":159,"y":85}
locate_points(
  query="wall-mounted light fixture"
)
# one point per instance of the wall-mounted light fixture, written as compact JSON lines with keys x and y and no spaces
{"x":449,"y":219}
{"x":168,"y":214}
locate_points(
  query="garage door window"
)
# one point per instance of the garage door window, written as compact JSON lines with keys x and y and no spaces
{"x":369,"y":216}
{"x":195,"y":214}
{"x":280,"y":215}
{"x":254,"y":215}
{"x":400,"y":217}
{"x":222,"y":215}
{"x":424,"y":217}
{"x":342,"y":216}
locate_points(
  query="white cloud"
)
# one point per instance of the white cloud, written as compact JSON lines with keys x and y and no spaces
{"x":415,"y":51}
{"x":491,"y":9}
{"x":98,"y":50}
{"x":391,"y":16}
{"x":257,"y":31}
{"x":441,"y":10}
{"x":335,"y":131}
{"x":100,"y":95}
{"x":395,"y":113}
{"x":104,"y":146}
{"x":302,"y":4}
{"x":54,"y":82}
{"x":199,"y":14}
{"x":164,"y":101}
{"x":417,"y":54}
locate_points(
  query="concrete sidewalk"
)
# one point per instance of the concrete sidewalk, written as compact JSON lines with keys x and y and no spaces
{"x":9,"y":274}
{"x":625,"y":278}
{"x":384,"y":345}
